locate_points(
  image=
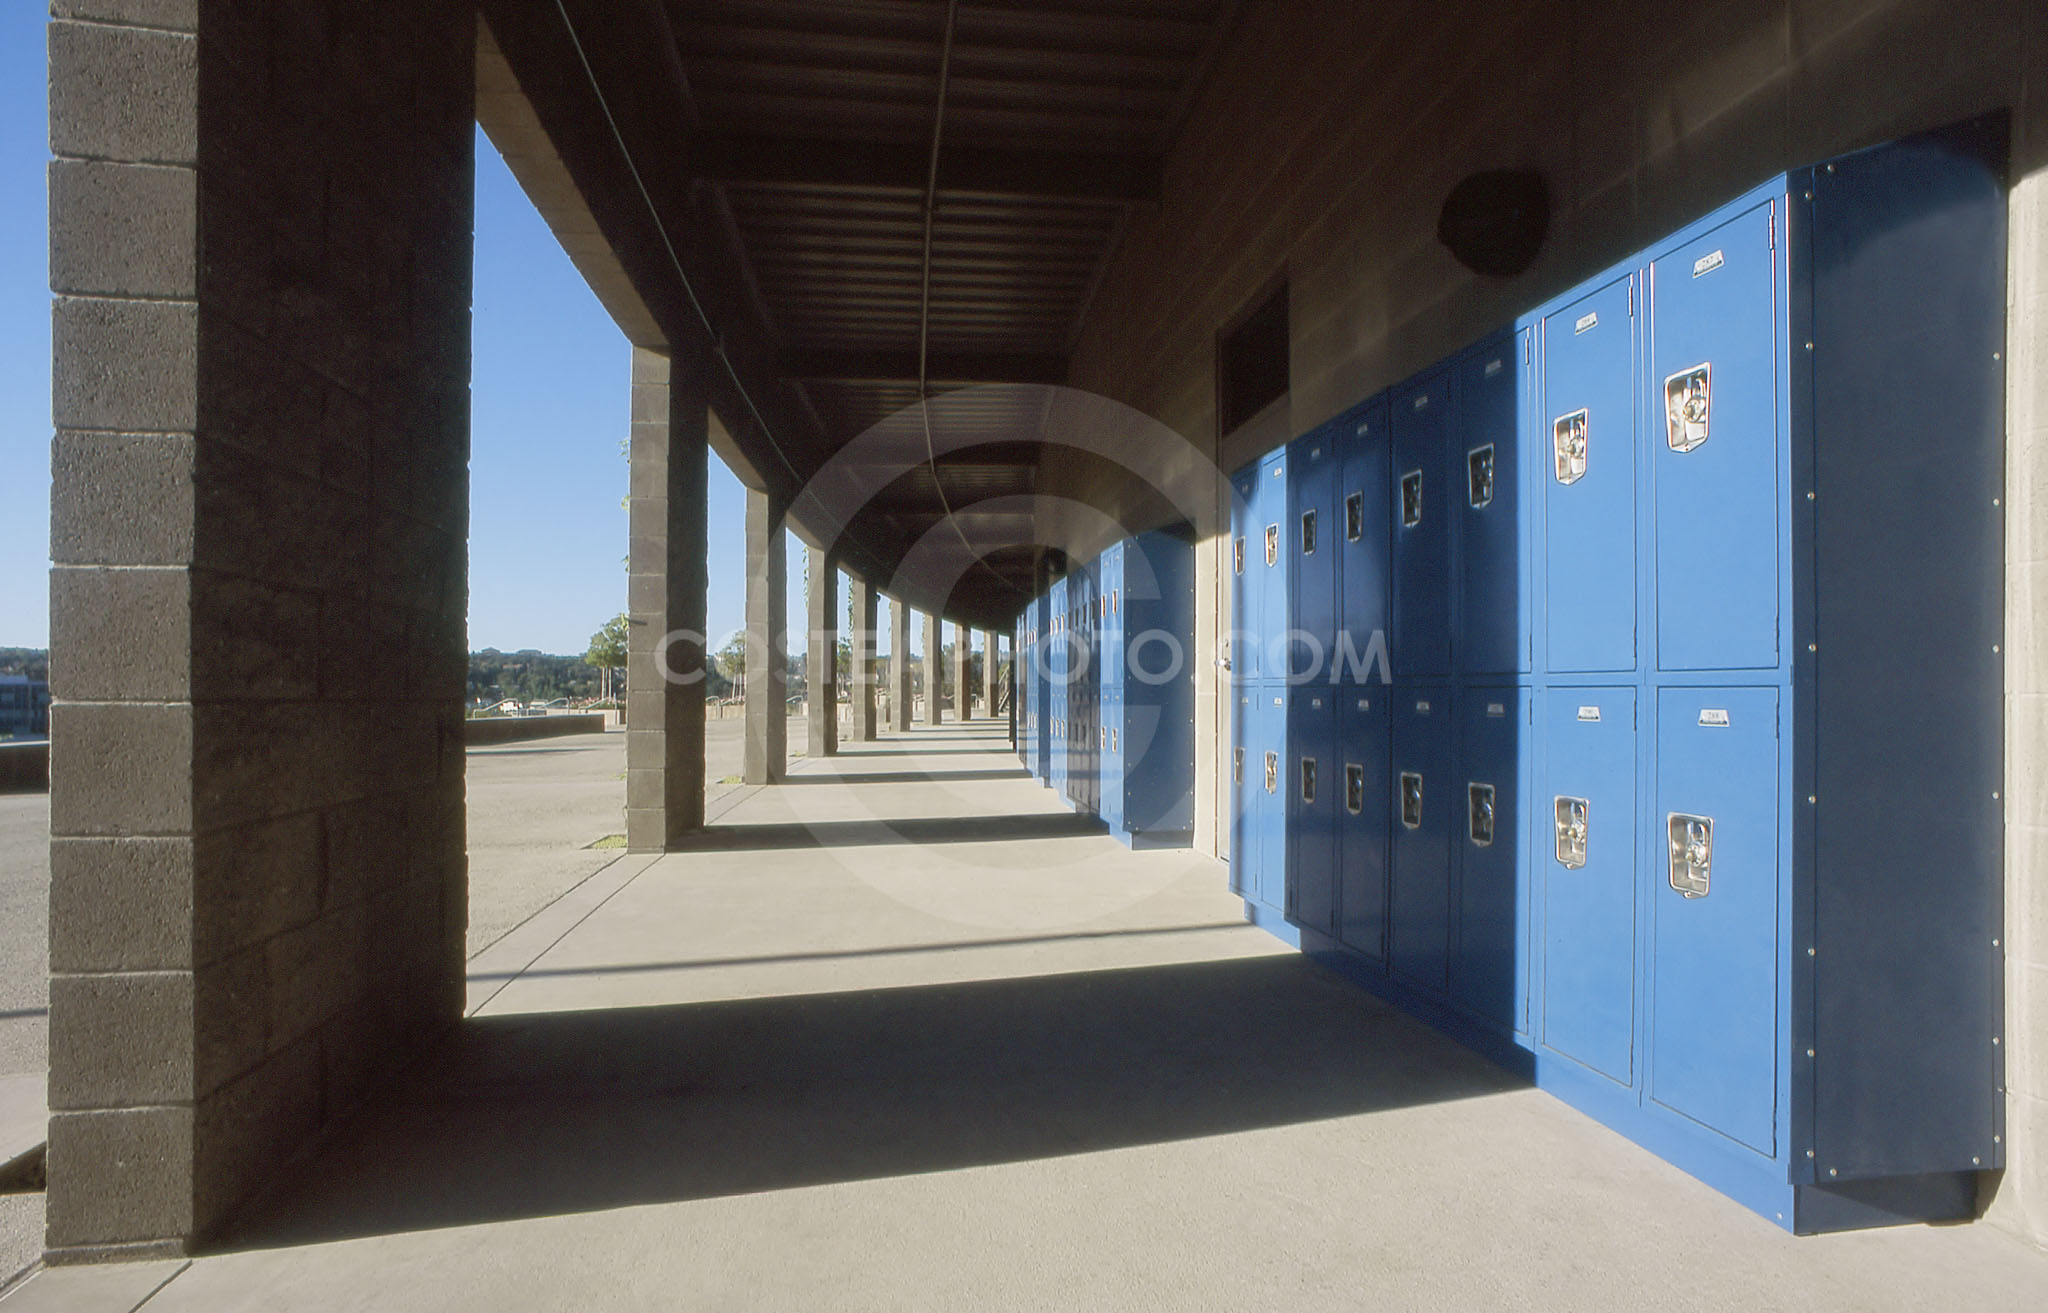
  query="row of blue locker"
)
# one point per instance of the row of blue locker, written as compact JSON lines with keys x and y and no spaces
{"x":1735,"y":888}
{"x":1523,"y":506}
{"x":1105,"y":688}
{"x":1454,"y":836}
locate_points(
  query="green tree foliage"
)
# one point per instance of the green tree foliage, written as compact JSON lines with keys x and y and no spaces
{"x":608,"y":651}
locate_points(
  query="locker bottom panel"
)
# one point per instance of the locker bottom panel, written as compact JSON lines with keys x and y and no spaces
{"x":1488,"y":966}
{"x":1422,"y":806}
{"x":1361,"y":794}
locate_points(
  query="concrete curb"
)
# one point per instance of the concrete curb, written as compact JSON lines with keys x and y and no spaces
{"x":514,"y":729}
{"x":24,"y":767}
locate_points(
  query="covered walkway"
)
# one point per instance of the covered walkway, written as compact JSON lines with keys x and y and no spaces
{"x":904,"y":1034}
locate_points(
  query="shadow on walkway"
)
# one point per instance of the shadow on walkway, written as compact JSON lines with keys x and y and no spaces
{"x":553,"y":1113}
{"x":896,"y":830}
{"x":911,"y":777}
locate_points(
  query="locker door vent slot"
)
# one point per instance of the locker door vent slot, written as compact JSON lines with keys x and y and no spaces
{"x":1411,"y":799}
{"x":1568,"y":446}
{"x":1308,"y":780}
{"x":1479,"y":476}
{"x":1411,"y":499}
{"x":1354,"y":517}
{"x":1479,"y":801}
{"x":1692,"y":853}
{"x":1571,"y":831}
{"x":1308,"y":533}
{"x":1354,"y":788}
{"x":1688,"y":402}
{"x":1272,"y":772}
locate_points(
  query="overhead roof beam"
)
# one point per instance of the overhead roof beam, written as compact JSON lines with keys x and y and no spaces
{"x":950,"y":369}
{"x":820,"y":162}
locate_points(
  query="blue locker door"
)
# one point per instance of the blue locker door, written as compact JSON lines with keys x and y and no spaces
{"x":1423,"y":803}
{"x":1270,"y":796}
{"x":1244,"y":774}
{"x":1247,"y":608}
{"x":1363,"y":546}
{"x":1587,"y":435}
{"x":1492,"y":550}
{"x":1311,"y":809}
{"x":1360,"y":795}
{"x":1714,"y":364}
{"x":1489,"y":966}
{"x":1714,"y":943}
{"x":1059,"y":652}
{"x":1420,"y":504}
{"x":1311,"y":495}
{"x":1271,"y":559}
{"x":1586,"y":851}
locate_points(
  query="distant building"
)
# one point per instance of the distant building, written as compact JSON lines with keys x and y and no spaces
{"x":24,"y":706}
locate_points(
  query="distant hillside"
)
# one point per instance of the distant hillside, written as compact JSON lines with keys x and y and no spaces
{"x":30,"y":661}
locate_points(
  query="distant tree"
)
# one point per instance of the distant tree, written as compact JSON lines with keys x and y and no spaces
{"x":608,"y":651}
{"x":732,"y":659}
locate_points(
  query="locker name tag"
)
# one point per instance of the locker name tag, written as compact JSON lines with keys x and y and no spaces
{"x":1586,"y":322}
{"x":1707,"y":263}
{"x":1422,"y":708}
{"x":1496,"y":710}
{"x":1492,"y":367}
{"x":1714,"y":717}
{"x":1589,"y":713}
{"x":1422,"y":401}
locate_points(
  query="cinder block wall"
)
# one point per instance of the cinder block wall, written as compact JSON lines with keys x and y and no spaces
{"x":260,"y":254}
{"x":1323,"y":148}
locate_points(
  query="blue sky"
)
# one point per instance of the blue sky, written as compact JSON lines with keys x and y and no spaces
{"x":549,"y":388}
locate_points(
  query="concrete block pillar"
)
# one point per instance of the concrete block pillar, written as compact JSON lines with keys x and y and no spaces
{"x":665,"y":645}
{"x":861,"y":679}
{"x":991,"y":672}
{"x":934,"y":669}
{"x":259,"y":514}
{"x":899,"y":665}
{"x":767,"y":725}
{"x":821,"y":661}
{"x":963,"y":671}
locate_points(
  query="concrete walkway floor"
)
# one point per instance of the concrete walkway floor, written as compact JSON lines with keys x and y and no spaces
{"x":903,"y":1034}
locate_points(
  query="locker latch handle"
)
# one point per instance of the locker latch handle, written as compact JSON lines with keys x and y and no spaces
{"x":1479,"y":476}
{"x":1692,"y":853}
{"x":1112,"y":741}
{"x":1354,"y":516}
{"x":1354,"y":788}
{"x":1237,"y":765}
{"x":1479,"y":800}
{"x":1571,"y":831}
{"x":1411,"y":799}
{"x":1568,"y":446}
{"x":1308,"y":533}
{"x":1272,"y":772}
{"x":1411,"y":499}
{"x":1237,"y":554}
{"x":1308,"y":780}
{"x":1688,"y":402}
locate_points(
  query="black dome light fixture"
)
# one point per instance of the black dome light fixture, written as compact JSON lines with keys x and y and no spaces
{"x":1494,"y":222}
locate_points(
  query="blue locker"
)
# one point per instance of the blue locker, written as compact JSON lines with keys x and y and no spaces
{"x":1489,"y":965}
{"x":1083,"y":707}
{"x":1586,"y":852}
{"x":1311,"y":808}
{"x":1587,"y":434}
{"x":1265,"y":780}
{"x":1059,"y":661}
{"x":1420,"y":502}
{"x":1425,"y":800}
{"x":1714,"y":908}
{"x":1363,"y":755}
{"x":1363,"y":545}
{"x":1715,"y":347}
{"x":1244,"y":778}
{"x":1273,"y":562}
{"x":1041,"y":688}
{"x":1311,"y":500}
{"x":1151,"y":707}
{"x":1243,"y":643}
{"x":1492,"y":550}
